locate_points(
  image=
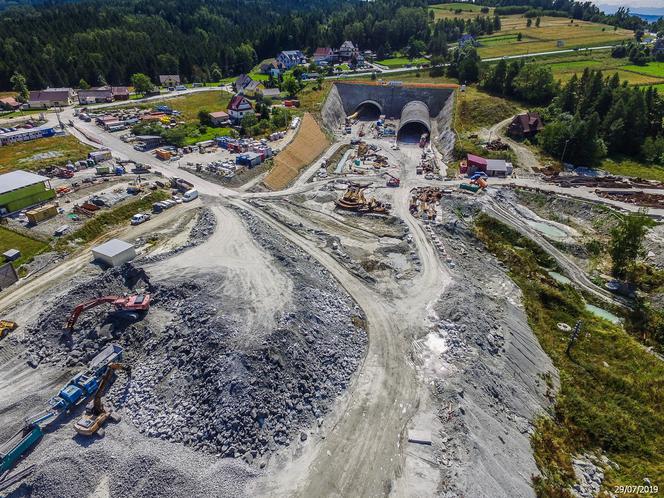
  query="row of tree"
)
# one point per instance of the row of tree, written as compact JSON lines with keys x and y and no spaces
{"x":531,"y":83}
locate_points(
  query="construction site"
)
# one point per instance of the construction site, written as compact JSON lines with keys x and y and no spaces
{"x":336,"y":330}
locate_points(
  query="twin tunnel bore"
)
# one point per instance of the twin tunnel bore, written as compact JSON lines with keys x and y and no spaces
{"x":414,"y":121}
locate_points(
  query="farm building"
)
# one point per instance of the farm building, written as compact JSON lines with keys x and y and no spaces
{"x":51,"y":97}
{"x":238,"y":107}
{"x":525,"y":125}
{"x":492,"y":167}
{"x":115,"y":252}
{"x":273,"y":93}
{"x":22,"y":189}
{"x":25,"y":134}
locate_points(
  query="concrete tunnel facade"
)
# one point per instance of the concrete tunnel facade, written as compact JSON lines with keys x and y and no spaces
{"x":414,"y":121}
{"x":370,"y":109}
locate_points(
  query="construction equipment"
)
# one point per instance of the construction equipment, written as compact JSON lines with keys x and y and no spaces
{"x":130,"y":306}
{"x":19,"y":444}
{"x":94,"y":417}
{"x":354,"y":200}
{"x":6,"y":326}
{"x":393,"y":181}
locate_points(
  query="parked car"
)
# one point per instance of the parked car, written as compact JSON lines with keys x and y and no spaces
{"x":139,"y":218}
{"x":180,"y":88}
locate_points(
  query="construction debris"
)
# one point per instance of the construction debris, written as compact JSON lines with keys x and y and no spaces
{"x":354,"y":200}
{"x":423,"y":202}
{"x":638,"y":197}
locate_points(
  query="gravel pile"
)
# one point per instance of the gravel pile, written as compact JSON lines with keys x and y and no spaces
{"x":194,"y":381}
{"x":200,"y":232}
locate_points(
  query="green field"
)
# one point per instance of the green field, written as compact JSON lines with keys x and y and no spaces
{"x":102,"y":223}
{"x":402,"y":61}
{"x":655,"y":69}
{"x":629,"y":167}
{"x":28,"y":246}
{"x":501,"y":39}
{"x":42,"y":152}
{"x":191,"y":104}
{"x":457,"y":10}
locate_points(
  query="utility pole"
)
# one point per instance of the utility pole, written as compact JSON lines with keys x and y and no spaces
{"x":562,"y":158}
{"x":573,"y":337}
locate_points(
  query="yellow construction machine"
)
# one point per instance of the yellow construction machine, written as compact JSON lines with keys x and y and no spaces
{"x":96,"y":415}
{"x":6,"y":326}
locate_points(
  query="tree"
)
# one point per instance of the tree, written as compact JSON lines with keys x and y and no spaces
{"x":249,"y":120}
{"x":290,"y":85}
{"x":176,"y":136}
{"x":529,"y":22}
{"x":83,"y":85}
{"x":319,"y":82}
{"x":519,"y":36}
{"x":627,"y":242}
{"x":469,"y":68}
{"x":20,"y":86}
{"x":141,"y":83}
{"x":215,"y":72}
{"x":535,"y":83}
{"x":204,"y":117}
{"x":538,"y":21}
{"x":415,"y":48}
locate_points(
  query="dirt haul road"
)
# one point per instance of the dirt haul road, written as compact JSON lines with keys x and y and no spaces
{"x":362,"y":454}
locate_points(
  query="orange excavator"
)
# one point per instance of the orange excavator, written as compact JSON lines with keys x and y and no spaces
{"x":95,"y":415}
{"x":130,"y":306}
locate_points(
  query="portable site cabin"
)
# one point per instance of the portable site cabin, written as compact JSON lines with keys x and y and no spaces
{"x":115,"y":252}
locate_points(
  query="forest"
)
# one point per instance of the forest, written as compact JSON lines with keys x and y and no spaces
{"x":60,"y":44}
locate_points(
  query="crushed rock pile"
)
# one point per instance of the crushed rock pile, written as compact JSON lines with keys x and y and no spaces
{"x":193,"y":380}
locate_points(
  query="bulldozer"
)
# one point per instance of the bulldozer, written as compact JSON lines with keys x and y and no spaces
{"x":130,"y":306}
{"x":6,"y":326}
{"x":96,"y":414}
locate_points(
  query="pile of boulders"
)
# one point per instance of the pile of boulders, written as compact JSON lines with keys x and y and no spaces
{"x":194,"y":379}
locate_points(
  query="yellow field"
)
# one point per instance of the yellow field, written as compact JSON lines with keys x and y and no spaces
{"x":630,"y":77}
{"x":545,"y":38}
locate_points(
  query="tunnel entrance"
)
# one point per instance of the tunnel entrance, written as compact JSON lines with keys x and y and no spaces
{"x":411,"y":133}
{"x":368,"y":111}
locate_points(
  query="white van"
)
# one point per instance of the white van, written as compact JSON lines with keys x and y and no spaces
{"x":190,"y":195}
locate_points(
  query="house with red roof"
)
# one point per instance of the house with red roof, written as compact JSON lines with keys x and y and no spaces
{"x":525,"y":125}
{"x":9,"y":104}
{"x":239,"y":107}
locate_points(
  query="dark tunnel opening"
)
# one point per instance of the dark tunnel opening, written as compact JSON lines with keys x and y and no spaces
{"x":412,"y":132}
{"x":368,"y":111}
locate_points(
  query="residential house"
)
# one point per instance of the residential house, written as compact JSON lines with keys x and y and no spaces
{"x":325,"y":54}
{"x":9,"y":104}
{"x":239,"y":107}
{"x":273,"y":68}
{"x":291,"y":58}
{"x":348,"y":51}
{"x":51,"y":97}
{"x":254,"y":88}
{"x":525,"y":125}
{"x":169,"y":79}
{"x":241,"y":81}
{"x":219,"y":118}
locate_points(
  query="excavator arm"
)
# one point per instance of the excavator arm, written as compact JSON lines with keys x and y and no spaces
{"x":73,"y":317}
{"x":98,"y":407}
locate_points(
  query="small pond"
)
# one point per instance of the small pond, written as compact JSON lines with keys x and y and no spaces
{"x":603,"y":313}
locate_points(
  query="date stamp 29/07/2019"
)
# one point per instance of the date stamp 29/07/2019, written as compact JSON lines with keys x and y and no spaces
{"x":650,"y":489}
